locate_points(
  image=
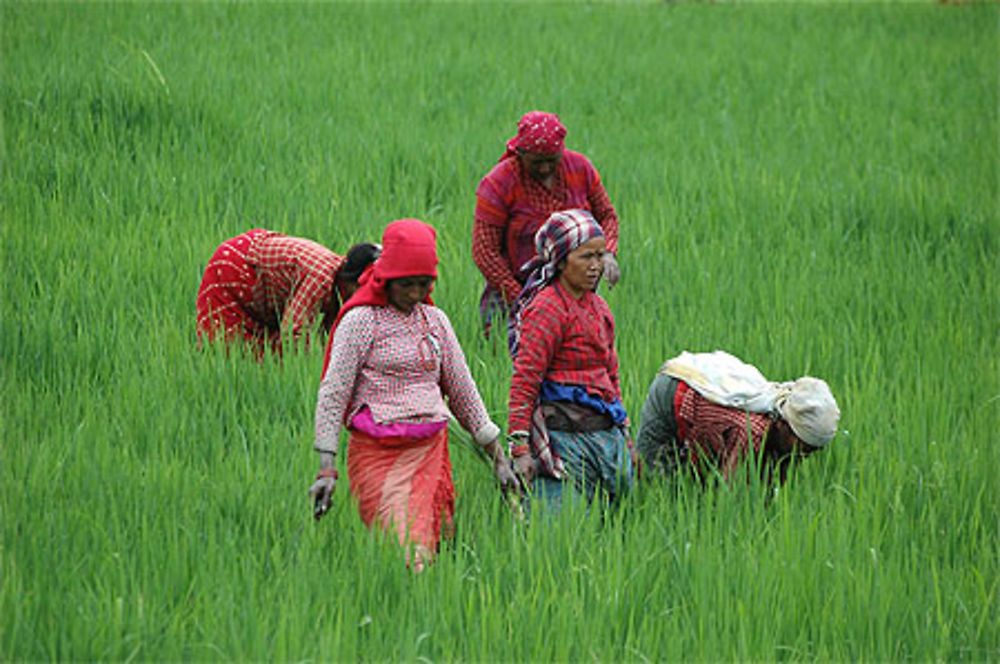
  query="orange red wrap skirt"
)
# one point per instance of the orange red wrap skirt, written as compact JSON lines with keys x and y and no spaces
{"x":404,"y":485}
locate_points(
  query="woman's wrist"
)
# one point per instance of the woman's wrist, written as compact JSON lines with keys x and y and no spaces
{"x":327,"y":472}
{"x":487,"y":434}
{"x":327,"y":459}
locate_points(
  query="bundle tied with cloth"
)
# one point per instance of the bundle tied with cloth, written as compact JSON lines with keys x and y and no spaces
{"x":806,"y":403}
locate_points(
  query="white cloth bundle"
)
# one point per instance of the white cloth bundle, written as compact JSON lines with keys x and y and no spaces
{"x":806,"y":404}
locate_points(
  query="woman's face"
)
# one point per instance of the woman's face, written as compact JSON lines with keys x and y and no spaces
{"x":406,"y":292}
{"x":582,"y":267}
{"x":782,"y":440}
{"x":540,"y":167}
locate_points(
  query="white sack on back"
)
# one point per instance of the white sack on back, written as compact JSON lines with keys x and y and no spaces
{"x":726,"y":380}
{"x":806,"y":404}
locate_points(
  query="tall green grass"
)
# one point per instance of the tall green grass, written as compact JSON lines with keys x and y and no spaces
{"x":813,"y":187}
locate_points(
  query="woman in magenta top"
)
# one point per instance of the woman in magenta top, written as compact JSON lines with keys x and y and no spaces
{"x":395,"y":372}
{"x":535,"y":177}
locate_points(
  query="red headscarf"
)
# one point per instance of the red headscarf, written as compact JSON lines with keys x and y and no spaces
{"x":409,"y":249}
{"x":537,"y":131}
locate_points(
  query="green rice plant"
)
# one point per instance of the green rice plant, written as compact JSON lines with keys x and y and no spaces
{"x":810,"y":186}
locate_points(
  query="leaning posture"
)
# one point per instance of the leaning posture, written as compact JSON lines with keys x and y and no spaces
{"x":264,"y":288}
{"x":567,"y":425}
{"x":707,"y":411}
{"x":395,"y":370}
{"x":535,"y":177}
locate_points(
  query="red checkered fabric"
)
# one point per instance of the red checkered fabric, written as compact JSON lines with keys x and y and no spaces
{"x":567,"y":341}
{"x":719,"y":435}
{"x":511,"y":206}
{"x":295,"y":279}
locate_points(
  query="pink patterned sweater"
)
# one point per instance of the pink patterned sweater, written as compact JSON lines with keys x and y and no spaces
{"x":403,"y":367}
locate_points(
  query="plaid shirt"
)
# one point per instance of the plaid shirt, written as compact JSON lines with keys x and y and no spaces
{"x":511,"y":206}
{"x":402,"y":367}
{"x":718,"y":434}
{"x":295,"y":279}
{"x":565,"y":340}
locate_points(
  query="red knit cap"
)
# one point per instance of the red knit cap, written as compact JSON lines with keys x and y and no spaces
{"x":409,"y":249}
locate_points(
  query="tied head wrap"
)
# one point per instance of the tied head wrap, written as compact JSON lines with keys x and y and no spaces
{"x":409,"y":249}
{"x":538,"y":132}
{"x":558,"y":236}
{"x":811,"y":411}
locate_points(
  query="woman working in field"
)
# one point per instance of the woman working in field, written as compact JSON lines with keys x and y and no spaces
{"x":264,"y":288}
{"x":707,"y":411}
{"x":535,"y":177}
{"x":567,"y":425}
{"x":393,"y":362}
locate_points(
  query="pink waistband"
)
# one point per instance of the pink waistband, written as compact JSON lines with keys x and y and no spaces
{"x":364,"y":422}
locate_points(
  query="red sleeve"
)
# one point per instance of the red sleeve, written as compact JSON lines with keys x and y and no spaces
{"x":613,"y":359}
{"x":486,"y":242}
{"x":309,"y":269}
{"x":603,"y":211}
{"x":541,"y":335}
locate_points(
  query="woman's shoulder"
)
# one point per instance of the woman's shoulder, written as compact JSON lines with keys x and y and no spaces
{"x":356,"y":326}
{"x":547,"y":299}
{"x":503,"y":175}
{"x":576,"y":160}
{"x":554,"y":298}
{"x":362,"y":314}
{"x":435,"y":314}
{"x":594,"y":301}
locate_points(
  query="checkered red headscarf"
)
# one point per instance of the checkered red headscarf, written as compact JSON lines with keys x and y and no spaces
{"x":558,"y":236}
{"x":537,"y":131}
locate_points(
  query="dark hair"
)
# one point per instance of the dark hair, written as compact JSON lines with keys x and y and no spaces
{"x":358,"y":258}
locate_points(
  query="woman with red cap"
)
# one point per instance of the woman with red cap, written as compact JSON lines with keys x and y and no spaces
{"x":394,"y":371}
{"x":535,"y":177}
{"x":264,"y":287}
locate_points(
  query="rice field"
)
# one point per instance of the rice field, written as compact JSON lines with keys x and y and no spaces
{"x":810,"y":186}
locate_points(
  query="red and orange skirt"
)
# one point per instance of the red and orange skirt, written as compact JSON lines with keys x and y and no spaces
{"x":403,"y":485}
